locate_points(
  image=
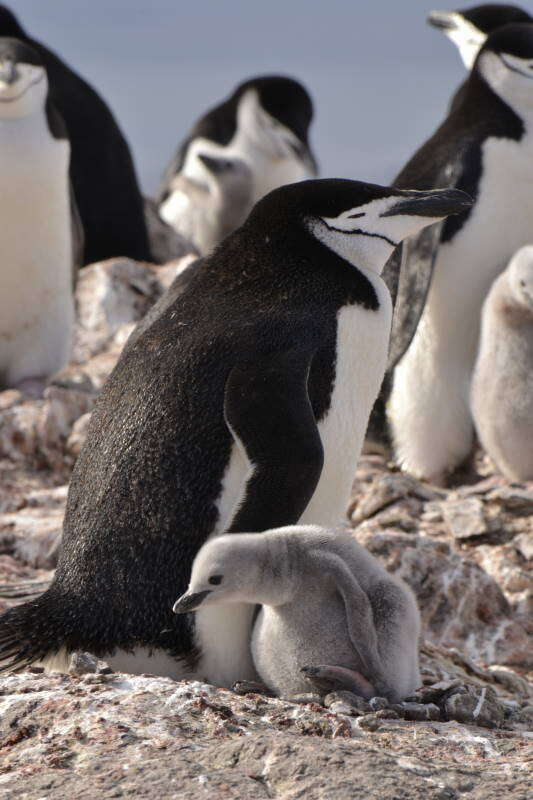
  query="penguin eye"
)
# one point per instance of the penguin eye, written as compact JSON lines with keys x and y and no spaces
{"x":215,"y":579}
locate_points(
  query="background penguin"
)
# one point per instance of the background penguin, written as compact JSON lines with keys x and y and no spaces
{"x":502,"y":384}
{"x":485,"y":147}
{"x":325,"y":600}
{"x":265,"y":122}
{"x":206,"y":211}
{"x":39,"y":234}
{"x":240,"y":406}
{"x":102,"y":171}
{"x":468,"y":29}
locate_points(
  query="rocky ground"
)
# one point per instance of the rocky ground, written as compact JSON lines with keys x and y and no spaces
{"x":466,"y":552}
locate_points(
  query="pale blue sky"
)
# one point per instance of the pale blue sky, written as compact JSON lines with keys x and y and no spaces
{"x":379,"y":76}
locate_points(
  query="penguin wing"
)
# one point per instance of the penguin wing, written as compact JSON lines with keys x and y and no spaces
{"x":408,"y":274}
{"x":269,"y":414}
{"x":359,"y":616}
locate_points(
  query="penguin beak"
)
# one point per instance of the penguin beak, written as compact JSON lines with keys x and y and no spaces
{"x":8,"y":71}
{"x":443,"y":20}
{"x":214,"y":165}
{"x":436,"y":203}
{"x":189,"y":602}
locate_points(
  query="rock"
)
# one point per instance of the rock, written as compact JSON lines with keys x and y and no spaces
{"x":305,"y":698}
{"x":524,"y":545}
{"x":108,"y":295}
{"x":514,"y":498}
{"x":353,"y":700}
{"x":378,"y":703}
{"x":83,"y":663}
{"x":461,"y":605}
{"x":476,"y":706}
{"x":343,"y":708}
{"x":369,"y":722}
{"x":418,"y":711}
{"x":78,"y":434}
{"x":435,"y":692}
{"x":10,"y":398}
{"x":465,"y":518}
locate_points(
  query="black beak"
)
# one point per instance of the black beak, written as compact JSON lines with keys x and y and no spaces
{"x":443,"y":20}
{"x":214,"y":165}
{"x":189,"y":602}
{"x":436,"y":203}
{"x":8,"y":71}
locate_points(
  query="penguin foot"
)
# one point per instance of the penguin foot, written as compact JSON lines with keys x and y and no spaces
{"x":251,"y":687}
{"x":326,"y":678}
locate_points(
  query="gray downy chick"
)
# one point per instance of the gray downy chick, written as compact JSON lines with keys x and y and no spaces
{"x":206,"y":211}
{"x":502,"y":383}
{"x":330,"y":612}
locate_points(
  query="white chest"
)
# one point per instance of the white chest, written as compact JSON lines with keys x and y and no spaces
{"x":362,"y":346}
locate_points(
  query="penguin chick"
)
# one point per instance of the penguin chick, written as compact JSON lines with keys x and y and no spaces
{"x":206,"y":211}
{"x":502,"y":384}
{"x":469,"y":28}
{"x":38,"y":235}
{"x":326,"y":602}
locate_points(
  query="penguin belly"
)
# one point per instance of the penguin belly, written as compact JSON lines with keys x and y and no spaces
{"x":361,"y":357}
{"x":36,"y":302}
{"x":429,"y":407}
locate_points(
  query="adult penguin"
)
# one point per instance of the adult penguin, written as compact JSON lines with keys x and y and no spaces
{"x":240,"y":405}
{"x":265,"y":122}
{"x":40,"y":236}
{"x":101,"y":167}
{"x":485,"y":147}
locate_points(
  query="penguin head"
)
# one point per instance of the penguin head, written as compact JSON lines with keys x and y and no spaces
{"x":9,"y":24}
{"x":521,"y":276}
{"x":230,"y":569}
{"x":361,"y":222}
{"x":23,"y":80}
{"x":505,"y":63}
{"x":469,"y":28}
{"x":275,"y":113}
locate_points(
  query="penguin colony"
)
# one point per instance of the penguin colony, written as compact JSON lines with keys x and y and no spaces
{"x":240,"y":404}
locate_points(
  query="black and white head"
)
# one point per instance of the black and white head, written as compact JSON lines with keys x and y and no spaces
{"x":505,"y":63}
{"x":23,"y":80}
{"x":520,"y":272}
{"x":234,"y":568}
{"x":275,"y":112}
{"x":468,"y":28}
{"x":361,"y":222}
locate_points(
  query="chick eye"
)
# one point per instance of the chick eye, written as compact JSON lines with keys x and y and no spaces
{"x":215,"y":579}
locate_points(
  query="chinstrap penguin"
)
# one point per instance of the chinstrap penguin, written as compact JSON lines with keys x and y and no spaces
{"x":204,"y":211}
{"x":485,"y":147}
{"x":40,"y":234}
{"x":502,"y":384}
{"x":265,"y":122}
{"x":468,"y":28}
{"x":240,"y":405}
{"x":325,"y":602}
{"x":102,"y":170}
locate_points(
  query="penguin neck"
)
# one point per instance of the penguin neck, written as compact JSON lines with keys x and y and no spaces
{"x":504,"y":117}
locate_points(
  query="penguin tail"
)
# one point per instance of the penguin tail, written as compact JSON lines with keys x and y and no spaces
{"x":30,"y":633}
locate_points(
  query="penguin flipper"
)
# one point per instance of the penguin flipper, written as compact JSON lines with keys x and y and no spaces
{"x":78,"y":236}
{"x":359,"y":617}
{"x":409,"y":271}
{"x":268,"y":412}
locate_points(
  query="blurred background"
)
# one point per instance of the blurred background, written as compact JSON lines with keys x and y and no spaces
{"x":380,"y":78}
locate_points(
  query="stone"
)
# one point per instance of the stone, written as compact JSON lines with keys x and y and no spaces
{"x":477,"y":706}
{"x":461,"y":605}
{"x":305,"y":698}
{"x":419,"y":711}
{"x":368,"y":722}
{"x":353,"y":700}
{"x":83,"y":663}
{"x":434,"y":692}
{"x":465,"y":518}
{"x":524,"y":545}
{"x":378,"y":703}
